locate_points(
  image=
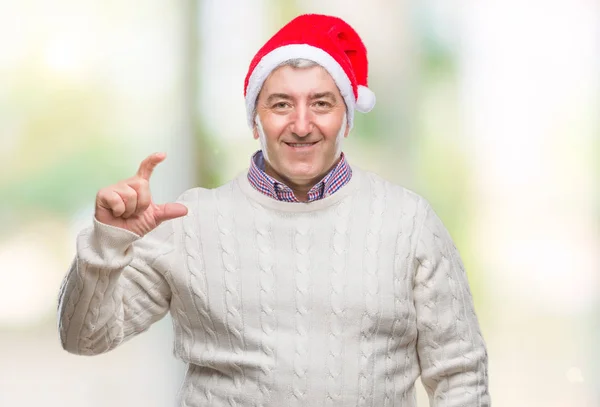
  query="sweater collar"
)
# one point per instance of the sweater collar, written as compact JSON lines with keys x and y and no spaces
{"x":345,"y":192}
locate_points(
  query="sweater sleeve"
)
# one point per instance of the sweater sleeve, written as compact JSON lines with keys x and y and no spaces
{"x":115,"y":288}
{"x":452,"y":352}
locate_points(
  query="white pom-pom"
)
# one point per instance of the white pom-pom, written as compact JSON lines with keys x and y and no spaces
{"x":366,"y":99}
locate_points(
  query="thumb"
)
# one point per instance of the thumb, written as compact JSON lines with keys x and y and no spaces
{"x":170,"y":211}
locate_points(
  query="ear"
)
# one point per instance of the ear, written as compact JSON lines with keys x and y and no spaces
{"x":346,"y":125}
{"x":255,"y":127}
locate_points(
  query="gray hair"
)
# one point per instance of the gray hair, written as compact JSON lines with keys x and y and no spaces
{"x":299,"y":63}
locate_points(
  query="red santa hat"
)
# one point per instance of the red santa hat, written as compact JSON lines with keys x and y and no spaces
{"x":329,"y":42}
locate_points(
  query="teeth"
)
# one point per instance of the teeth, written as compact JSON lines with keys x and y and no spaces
{"x":300,"y":144}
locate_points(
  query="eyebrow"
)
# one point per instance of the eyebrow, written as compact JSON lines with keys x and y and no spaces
{"x":321,"y":95}
{"x":275,"y":96}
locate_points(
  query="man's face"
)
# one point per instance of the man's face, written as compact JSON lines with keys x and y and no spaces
{"x":302,"y":115}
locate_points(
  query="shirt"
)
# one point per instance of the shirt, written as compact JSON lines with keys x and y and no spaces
{"x":332,"y":182}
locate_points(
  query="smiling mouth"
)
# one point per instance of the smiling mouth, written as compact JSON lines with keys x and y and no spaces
{"x":301,"y":145}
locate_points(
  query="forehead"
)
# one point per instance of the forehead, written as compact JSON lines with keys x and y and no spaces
{"x":291,"y":80}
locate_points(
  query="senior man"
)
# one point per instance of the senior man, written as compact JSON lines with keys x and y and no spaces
{"x":303,"y":282}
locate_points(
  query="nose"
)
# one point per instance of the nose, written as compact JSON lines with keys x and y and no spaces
{"x":302,"y":123}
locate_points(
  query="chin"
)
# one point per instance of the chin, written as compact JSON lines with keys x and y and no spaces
{"x":304,"y":170}
{"x":300,"y":175}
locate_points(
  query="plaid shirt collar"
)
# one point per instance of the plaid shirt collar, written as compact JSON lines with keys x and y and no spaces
{"x":333,"y":181}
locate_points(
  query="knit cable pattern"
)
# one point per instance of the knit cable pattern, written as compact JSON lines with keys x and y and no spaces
{"x":447,"y":250}
{"x":452,"y":353}
{"x":188,"y":387}
{"x":369,"y":322}
{"x":302,"y":280}
{"x":69,"y":309}
{"x":400,"y":326}
{"x":91,"y":317}
{"x":199,"y":286}
{"x":337,"y":287}
{"x":233,"y":316}
{"x":264,"y":239}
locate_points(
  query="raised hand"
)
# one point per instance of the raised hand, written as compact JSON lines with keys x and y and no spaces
{"x":128,"y":204}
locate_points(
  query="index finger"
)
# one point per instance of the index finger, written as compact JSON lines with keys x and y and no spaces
{"x":148,"y":165}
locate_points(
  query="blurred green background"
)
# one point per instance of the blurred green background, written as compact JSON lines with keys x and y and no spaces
{"x":488,"y":109}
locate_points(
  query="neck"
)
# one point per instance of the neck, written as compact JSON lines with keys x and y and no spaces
{"x":299,"y":187}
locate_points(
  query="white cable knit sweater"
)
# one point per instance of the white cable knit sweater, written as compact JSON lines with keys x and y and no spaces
{"x":343,"y":301}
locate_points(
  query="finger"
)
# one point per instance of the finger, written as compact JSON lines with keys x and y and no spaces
{"x":170,"y":211}
{"x":148,"y":165}
{"x":129,"y":197}
{"x":112,"y":201}
{"x":142,"y":189}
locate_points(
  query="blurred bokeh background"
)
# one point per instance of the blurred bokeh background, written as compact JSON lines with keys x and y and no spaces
{"x":489,"y":109}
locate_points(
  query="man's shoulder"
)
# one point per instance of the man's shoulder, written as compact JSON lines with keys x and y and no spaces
{"x":202,"y":194}
{"x":393,"y":191}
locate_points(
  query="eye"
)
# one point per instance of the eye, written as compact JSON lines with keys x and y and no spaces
{"x":321,"y":104}
{"x":281,"y":105}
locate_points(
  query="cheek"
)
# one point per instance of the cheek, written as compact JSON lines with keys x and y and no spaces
{"x":330,"y":124}
{"x":330,"y":131}
{"x":276,"y":124}
{"x":273,"y":125}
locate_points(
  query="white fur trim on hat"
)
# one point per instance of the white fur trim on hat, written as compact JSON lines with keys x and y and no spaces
{"x":274,"y":58}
